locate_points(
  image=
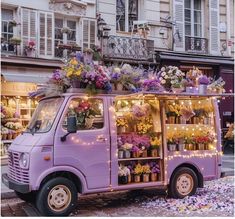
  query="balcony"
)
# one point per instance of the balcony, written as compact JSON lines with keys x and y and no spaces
{"x":196,"y":45}
{"x":127,"y":48}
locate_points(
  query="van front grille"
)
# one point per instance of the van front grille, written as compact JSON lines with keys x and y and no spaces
{"x":15,"y":172}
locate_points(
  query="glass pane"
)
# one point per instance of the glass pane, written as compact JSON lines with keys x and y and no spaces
{"x":88,"y":113}
{"x":187,"y":3}
{"x":4,"y":26}
{"x":197,"y":17}
{"x":187,"y":29}
{"x":197,"y":4}
{"x":58,"y":34}
{"x":133,"y":12}
{"x":197,"y":30}
{"x":71,"y":24}
{"x":58,"y":23}
{"x":7,"y":14}
{"x":71,"y":36}
{"x":10,"y":28}
{"x":187,"y":15}
{"x":120,"y":18}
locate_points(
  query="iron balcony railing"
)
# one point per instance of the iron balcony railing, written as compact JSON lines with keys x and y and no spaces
{"x":123,"y":48}
{"x":196,"y":45}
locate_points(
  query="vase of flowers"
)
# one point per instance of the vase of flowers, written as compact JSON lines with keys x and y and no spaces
{"x":135,"y":152}
{"x":171,"y":117}
{"x":146,"y":172}
{"x":123,"y":175}
{"x":138,"y":170}
{"x":122,"y":125}
{"x":181,"y":144}
{"x":155,"y":143}
{"x":203,"y":82}
{"x":171,"y":144}
{"x":127,"y":150}
{"x":177,"y":88}
{"x":144,"y":151}
{"x":120,"y":154}
{"x":30,"y":49}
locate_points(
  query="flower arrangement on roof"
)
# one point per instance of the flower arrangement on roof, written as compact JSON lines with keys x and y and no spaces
{"x":194,"y":74}
{"x":152,"y":85}
{"x":203,"y":80}
{"x":217,"y":86}
{"x":169,"y":76}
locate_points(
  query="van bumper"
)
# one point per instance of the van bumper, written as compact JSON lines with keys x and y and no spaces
{"x":16,"y":186}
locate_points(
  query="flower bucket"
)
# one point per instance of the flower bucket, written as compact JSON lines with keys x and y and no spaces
{"x":121,"y":129}
{"x":202,"y":89}
{"x":137,"y":178}
{"x":171,"y":147}
{"x":153,"y":177}
{"x":196,"y":120}
{"x":122,"y":179}
{"x":119,"y":87}
{"x":144,"y":153}
{"x":89,"y":122}
{"x":129,"y":178}
{"x":135,"y":154}
{"x":4,"y":136}
{"x":181,"y":147}
{"x":127,"y":154}
{"x":120,"y":154}
{"x":145,"y":177}
{"x":201,"y":146}
{"x":182,"y":120}
{"x":9,"y":136}
{"x":75,"y":83}
{"x":190,"y":147}
{"x":171,"y":120}
{"x":154,"y":153}
{"x":191,"y":90}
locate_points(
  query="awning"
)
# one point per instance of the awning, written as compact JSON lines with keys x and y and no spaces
{"x":28,"y":75}
{"x":194,"y":58}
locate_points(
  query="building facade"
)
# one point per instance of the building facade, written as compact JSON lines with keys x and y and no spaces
{"x":45,"y":33}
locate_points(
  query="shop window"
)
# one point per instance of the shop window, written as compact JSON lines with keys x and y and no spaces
{"x":88,"y":113}
{"x":89,"y":33}
{"x":126,"y":13}
{"x":7,"y":30}
{"x":193,"y":18}
{"x":65,"y":38}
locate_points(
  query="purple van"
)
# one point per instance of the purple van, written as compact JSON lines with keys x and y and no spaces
{"x":73,"y":145}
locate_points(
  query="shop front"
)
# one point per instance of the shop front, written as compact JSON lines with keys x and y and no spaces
{"x":211,"y":66}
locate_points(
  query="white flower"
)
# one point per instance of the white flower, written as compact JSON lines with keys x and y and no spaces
{"x":177,"y":73}
{"x":163,"y":81}
{"x":160,"y":78}
{"x":172,"y":82}
{"x":166,"y":76}
{"x":163,"y":69}
{"x":163,"y":73}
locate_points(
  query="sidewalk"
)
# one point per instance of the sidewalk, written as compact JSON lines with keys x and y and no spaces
{"x":227,"y":169}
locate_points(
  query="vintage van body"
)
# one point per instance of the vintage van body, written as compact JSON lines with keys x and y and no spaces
{"x":53,"y":165}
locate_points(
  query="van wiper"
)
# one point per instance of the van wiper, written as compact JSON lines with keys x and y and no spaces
{"x":30,"y":130}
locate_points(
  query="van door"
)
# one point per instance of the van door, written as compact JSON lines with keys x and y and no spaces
{"x":88,"y":149}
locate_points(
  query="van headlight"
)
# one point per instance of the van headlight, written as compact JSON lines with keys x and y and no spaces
{"x":24,"y":160}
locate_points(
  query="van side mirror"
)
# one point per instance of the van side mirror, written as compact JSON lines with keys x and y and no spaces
{"x":71,"y":126}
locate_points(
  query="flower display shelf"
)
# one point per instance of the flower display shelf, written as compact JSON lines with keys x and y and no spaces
{"x":139,"y":158}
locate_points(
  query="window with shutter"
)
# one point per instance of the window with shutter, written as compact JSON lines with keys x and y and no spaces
{"x":45,"y":34}
{"x":179,"y":32}
{"x":214,"y":26}
{"x":28,"y":26}
{"x":89,"y":33}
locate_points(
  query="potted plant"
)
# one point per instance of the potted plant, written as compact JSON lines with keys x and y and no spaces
{"x":171,"y":117}
{"x":15,"y":40}
{"x":127,"y":150}
{"x":65,"y":30}
{"x":144,"y":151}
{"x":155,"y":169}
{"x":155,"y":143}
{"x":171,"y":144}
{"x":198,"y":116}
{"x":138,"y":170}
{"x":122,"y":125}
{"x":123,"y":173}
{"x":30,"y":49}
{"x":189,"y":86}
{"x":181,"y":144}
{"x":146,"y":172}
{"x":177,"y":87}
{"x":135,"y":152}
{"x":4,"y":132}
{"x":203,"y":82}
{"x":189,"y":143}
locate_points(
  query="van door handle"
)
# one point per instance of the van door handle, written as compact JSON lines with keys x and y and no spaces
{"x":101,"y":139}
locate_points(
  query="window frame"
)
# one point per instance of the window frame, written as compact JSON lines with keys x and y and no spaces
{"x":192,"y":22}
{"x":83,"y":130}
{"x":126,"y":16}
{"x":8,"y":33}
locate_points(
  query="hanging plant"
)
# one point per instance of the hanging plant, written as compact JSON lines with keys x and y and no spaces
{"x":66,"y":30}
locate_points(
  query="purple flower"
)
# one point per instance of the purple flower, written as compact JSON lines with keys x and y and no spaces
{"x":203,"y":80}
{"x":135,"y":149}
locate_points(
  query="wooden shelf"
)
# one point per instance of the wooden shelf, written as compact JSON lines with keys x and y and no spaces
{"x":139,"y":158}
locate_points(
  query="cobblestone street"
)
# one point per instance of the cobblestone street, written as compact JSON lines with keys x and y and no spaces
{"x":215,"y":199}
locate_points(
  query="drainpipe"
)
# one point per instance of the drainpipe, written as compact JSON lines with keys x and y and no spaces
{"x":228,"y":35}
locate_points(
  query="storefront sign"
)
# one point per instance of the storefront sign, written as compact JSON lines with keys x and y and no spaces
{"x":227,"y":113}
{"x":17,"y":88}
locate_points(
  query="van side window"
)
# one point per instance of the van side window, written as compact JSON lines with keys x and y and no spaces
{"x":88,"y":112}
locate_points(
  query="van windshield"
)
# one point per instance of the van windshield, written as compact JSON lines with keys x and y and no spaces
{"x":44,"y":115}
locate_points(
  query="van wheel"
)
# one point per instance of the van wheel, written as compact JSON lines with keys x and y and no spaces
{"x":57,"y":197}
{"x":28,"y":197}
{"x":183,"y":183}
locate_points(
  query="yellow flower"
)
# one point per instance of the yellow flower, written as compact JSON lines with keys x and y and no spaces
{"x":69,"y":73}
{"x":73,"y":61}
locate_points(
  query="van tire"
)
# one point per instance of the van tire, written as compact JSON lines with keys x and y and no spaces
{"x":57,"y":197}
{"x":27,"y":197}
{"x":183,"y":183}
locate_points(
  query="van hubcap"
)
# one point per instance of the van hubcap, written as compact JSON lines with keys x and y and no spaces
{"x":59,"y":198}
{"x":184,"y":184}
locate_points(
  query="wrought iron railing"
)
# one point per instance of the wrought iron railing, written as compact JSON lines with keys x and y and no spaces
{"x":118,"y":47}
{"x":196,"y":45}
